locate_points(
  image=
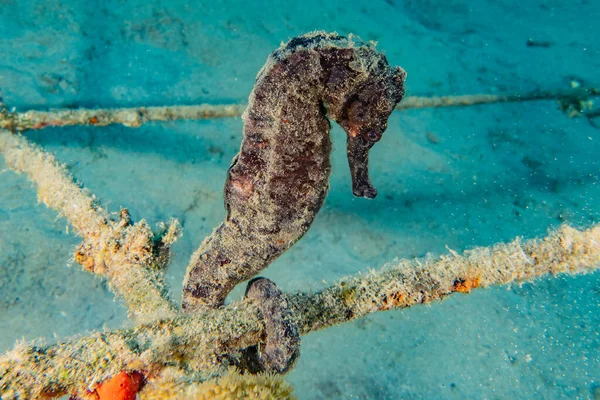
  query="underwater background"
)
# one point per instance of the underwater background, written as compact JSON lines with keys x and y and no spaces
{"x":447,"y":178}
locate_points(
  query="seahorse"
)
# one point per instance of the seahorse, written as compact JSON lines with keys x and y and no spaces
{"x":278,"y":181}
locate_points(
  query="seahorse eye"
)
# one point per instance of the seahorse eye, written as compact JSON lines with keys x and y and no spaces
{"x":373,"y":136}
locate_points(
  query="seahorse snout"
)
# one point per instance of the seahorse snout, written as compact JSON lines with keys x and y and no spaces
{"x":368,"y":192}
{"x":358,"y":160}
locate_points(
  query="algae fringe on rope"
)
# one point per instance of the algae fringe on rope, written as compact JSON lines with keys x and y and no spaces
{"x":200,"y":347}
{"x":231,"y":386}
{"x":573,"y":102}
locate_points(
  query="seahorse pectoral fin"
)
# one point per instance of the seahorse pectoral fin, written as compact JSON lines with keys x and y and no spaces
{"x":358,"y":159}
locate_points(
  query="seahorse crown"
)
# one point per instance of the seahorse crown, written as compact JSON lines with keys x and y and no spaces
{"x":367,"y":59}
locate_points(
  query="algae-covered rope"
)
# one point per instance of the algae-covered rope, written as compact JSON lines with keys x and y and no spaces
{"x":573,"y":101}
{"x":201,"y":342}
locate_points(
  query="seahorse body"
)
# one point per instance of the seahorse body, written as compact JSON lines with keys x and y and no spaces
{"x":278,"y":181}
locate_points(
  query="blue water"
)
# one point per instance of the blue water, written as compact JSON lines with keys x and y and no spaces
{"x":453,"y":178}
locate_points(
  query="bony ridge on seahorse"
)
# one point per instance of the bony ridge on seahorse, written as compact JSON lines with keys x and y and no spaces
{"x":278,"y":181}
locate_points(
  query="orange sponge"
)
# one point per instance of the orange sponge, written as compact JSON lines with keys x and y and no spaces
{"x":122,"y":386}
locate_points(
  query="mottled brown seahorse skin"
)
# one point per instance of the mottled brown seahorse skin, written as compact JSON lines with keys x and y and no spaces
{"x":278,"y":181}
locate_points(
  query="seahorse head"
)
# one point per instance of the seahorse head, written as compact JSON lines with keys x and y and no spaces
{"x":359,"y":91}
{"x":364,"y":109}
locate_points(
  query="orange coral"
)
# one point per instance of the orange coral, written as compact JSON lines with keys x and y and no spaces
{"x":465,"y":285}
{"x":122,"y":386}
{"x":393,"y":300}
{"x":86,"y":261}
